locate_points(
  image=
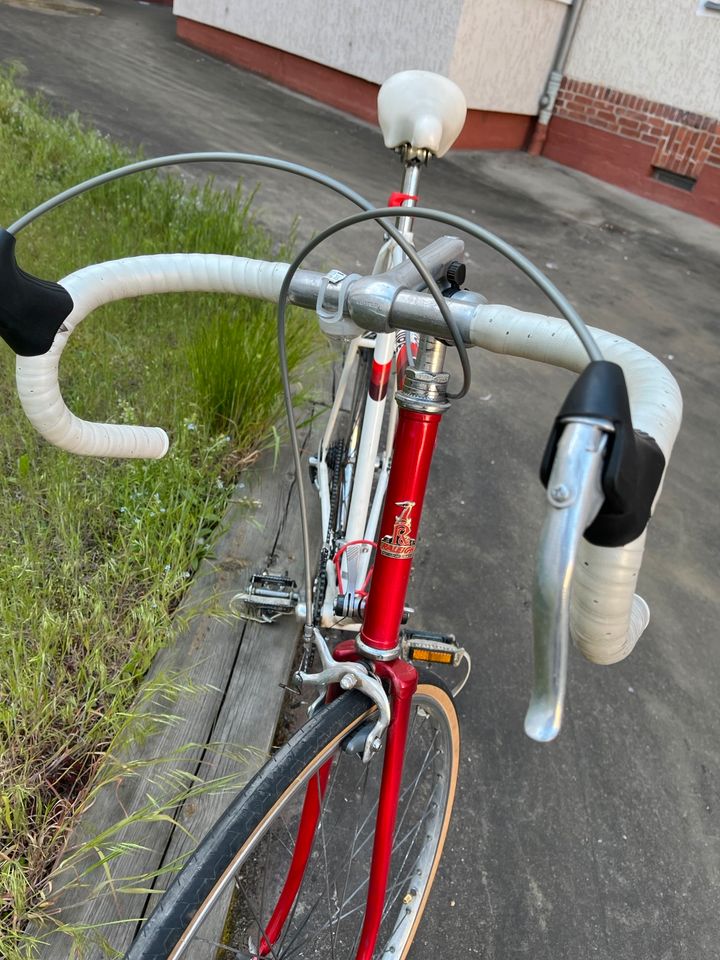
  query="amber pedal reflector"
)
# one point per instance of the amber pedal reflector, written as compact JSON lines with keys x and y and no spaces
{"x":431,"y":656}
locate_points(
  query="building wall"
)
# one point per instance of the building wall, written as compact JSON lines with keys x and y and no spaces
{"x":654,"y":149}
{"x":640,"y":102}
{"x":498,"y":51}
{"x":504,"y":51}
{"x":660,"y":50}
{"x":369,"y":39}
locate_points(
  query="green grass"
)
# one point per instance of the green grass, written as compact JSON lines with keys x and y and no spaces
{"x":96,"y":554}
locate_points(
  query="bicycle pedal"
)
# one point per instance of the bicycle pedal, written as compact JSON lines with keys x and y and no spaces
{"x":268,"y":597}
{"x":430,"y":647}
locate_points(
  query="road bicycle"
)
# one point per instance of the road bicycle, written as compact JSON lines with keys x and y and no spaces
{"x":332,"y":848}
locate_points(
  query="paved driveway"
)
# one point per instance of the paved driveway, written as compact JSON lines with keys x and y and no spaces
{"x":605,"y":844}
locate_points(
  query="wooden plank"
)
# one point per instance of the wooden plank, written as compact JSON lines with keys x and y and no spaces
{"x":248,"y":717}
{"x":238,"y":666}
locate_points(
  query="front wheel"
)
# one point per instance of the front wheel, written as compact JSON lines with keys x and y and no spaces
{"x":224,"y":903}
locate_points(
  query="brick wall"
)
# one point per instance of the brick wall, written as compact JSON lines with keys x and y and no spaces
{"x":684,"y":142}
{"x":627,"y":139}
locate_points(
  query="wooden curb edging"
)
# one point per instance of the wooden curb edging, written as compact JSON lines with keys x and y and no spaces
{"x":239,"y":667}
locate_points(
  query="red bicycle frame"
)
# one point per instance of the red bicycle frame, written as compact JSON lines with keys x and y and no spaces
{"x":412,"y":457}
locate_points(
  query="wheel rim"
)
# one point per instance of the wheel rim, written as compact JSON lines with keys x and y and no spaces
{"x":326,"y":917}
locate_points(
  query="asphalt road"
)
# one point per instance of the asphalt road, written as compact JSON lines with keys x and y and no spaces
{"x":606,"y":843}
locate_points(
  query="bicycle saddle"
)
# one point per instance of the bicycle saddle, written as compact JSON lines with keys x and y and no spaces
{"x":421,"y":109}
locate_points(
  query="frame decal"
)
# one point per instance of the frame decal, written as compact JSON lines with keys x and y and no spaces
{"x":399,"y":545}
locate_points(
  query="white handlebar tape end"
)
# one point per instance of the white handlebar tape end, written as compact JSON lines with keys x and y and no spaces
{"x":607,"y":617}
{"x":45,"y":408}
{"x":89,"y":288}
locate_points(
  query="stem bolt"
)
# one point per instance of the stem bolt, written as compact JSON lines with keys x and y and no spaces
{"x":348,"y":681}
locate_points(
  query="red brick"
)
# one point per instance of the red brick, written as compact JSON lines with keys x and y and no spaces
{"x":607,"y":115}
{"x":575,"y":113}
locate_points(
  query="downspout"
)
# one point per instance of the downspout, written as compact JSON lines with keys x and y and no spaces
{"x":547,"y":100}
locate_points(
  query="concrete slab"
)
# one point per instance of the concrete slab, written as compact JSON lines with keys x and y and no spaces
{"x":605,"y":844}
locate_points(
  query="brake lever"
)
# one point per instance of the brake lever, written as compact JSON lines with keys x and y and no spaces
{"x":575,"y":495}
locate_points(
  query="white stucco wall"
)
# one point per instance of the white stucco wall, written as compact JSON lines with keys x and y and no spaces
{"x":658,"y":49}
{"x":504,"y":52}
{"x":366,"y":38}
{"x":498,"y":51}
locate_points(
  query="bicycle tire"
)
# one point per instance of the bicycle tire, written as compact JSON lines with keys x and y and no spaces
{"x":259,"y":825}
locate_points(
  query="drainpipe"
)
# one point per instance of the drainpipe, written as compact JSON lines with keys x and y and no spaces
{"x":547,"y":100}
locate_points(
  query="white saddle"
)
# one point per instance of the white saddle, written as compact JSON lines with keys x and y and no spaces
{"x":422,"y":109}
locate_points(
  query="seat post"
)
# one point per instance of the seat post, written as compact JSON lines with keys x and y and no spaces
{"x":412,"y":160}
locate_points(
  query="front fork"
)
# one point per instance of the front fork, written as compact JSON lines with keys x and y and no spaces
{"x":422,"y":402}
{"x":401,"y":679}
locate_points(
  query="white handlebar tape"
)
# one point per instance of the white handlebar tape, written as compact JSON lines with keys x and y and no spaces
{"x":91,"y":287}
{"x":606,"y":616}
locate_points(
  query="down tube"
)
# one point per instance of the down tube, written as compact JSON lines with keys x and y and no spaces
{"x":412,"y":457}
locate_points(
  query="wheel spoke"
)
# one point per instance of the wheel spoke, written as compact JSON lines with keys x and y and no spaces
{"x":325,"y":919}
